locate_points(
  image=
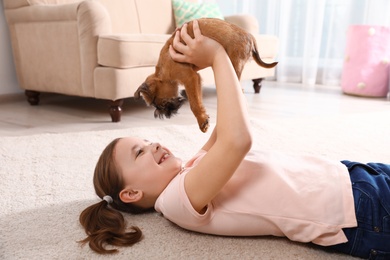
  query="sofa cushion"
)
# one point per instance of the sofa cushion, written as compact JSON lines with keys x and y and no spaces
{"x":130,"y":50}
{"x":186,"y":11}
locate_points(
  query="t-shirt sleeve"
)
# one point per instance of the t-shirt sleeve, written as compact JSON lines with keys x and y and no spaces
{"x":175,"y":205}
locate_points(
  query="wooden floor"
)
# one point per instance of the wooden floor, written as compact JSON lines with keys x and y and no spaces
{"x":58,"y":113}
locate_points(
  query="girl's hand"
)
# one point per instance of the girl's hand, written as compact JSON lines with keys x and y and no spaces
{"x":200,"y":50}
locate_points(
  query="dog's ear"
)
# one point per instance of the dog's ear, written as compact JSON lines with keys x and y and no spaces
{"x":144,"y":88}
{"x":146,"y":92}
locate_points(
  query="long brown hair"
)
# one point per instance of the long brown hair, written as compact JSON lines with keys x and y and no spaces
{"x":103,"y":223}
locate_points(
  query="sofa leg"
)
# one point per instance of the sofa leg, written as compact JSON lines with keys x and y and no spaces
{"x":32,"y":97}
{"x":116,"y":110}
{"x":257,"y":84}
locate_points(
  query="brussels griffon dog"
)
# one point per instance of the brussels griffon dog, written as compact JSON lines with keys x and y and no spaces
{"x":161,"y":89}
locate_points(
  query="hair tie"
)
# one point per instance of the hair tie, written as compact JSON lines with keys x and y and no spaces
{"x":108,"y":199}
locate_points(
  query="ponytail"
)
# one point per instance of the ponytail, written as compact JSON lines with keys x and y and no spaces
{"x":103,"y":222}
{"x":105,"y":225}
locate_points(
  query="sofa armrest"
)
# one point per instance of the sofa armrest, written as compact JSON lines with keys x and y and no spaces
{"x":41,"y":13}
{"x":245,"y":21}
{"x":10,"y":4}
{"x":87,"y":14}
{"x":60,"y":40}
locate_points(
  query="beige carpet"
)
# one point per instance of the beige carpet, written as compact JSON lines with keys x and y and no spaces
{"x":46,"y":180}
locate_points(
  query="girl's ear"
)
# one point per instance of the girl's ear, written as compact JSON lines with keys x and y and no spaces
{"x":130,"y":196}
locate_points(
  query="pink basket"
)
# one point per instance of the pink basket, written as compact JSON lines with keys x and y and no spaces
{"x":366,"y":67}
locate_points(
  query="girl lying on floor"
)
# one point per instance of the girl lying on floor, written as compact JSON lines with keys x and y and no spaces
{"x":227,"y":189}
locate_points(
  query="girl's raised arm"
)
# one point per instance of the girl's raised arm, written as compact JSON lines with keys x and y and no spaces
{"x":232,"y":135}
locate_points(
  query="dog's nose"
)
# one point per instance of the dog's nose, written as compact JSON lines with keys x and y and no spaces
{"x":157,"y":113}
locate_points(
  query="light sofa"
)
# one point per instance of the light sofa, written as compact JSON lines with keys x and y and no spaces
{"x":102,"y":48}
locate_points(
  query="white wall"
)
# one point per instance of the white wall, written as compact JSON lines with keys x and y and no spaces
{"x":8,"y":81}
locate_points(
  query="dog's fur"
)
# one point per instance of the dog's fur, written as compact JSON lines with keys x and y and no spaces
{"x":161,"y":88}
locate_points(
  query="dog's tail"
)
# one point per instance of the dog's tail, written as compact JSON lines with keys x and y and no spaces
{"x":256,"y":56}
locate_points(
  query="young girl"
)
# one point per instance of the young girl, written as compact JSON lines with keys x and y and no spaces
{"x":226,"y":189}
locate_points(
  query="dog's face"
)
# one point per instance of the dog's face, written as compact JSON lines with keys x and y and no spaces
{"x":163,"y":95}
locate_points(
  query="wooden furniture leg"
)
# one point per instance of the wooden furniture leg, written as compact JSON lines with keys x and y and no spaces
{"x":116,"y":110}
{"x":257,"y":84}
{"x":32,"y":97}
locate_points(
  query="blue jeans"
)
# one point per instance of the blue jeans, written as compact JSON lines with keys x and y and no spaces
{"x":371,"y":191}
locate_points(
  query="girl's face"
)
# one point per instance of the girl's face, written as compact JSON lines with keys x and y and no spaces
{"x":146,"y":168}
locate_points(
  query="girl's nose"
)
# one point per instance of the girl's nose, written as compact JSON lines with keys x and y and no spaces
{"x":155,"y":147}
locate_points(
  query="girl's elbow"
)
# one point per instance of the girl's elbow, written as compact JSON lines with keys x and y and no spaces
{"x":247,"y":142}
{"x":240,"y":141}
{"x":244,"y":142}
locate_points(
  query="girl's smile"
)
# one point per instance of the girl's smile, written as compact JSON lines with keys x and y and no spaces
{"x":163,"y":158}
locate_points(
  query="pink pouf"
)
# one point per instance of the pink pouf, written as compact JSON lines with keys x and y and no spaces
{"x":366,"y":67}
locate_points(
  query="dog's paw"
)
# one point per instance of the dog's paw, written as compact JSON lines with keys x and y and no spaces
{"x":204,"y":124}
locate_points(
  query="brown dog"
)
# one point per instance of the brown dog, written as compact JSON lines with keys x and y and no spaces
{"x":161,"y":89}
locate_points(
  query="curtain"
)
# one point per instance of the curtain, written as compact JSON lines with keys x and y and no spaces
{"x":312,"y":33}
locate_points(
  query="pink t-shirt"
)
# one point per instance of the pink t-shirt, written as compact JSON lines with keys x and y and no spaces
{"x":305,"y":198}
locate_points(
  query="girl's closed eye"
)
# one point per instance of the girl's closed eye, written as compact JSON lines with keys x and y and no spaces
{"x":138,"y":153}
